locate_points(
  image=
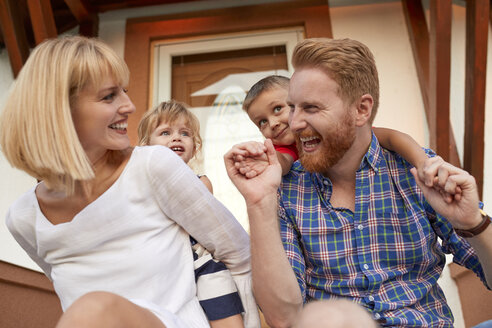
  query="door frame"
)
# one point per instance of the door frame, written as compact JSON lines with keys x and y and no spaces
{"x":164,"y":50}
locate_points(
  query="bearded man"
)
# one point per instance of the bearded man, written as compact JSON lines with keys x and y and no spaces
{"x":354,"y":221}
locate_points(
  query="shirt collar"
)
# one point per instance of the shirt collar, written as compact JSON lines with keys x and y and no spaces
{"x":373,"y":156}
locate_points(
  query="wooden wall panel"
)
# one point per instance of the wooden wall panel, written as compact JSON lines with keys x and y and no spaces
{"x":43,"y":22}
{"x":477,"y":29}
{"x":476,"y":299}
{"x":27,"y":298}
{"x":420,"y":42}
{"x":439,"y":75}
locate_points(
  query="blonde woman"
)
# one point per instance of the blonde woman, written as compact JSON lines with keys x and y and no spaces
{"x":108,"y":224}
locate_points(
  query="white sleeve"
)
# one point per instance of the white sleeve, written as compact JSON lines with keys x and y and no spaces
{"x":186,"y":200}
{"x":23,"y":230}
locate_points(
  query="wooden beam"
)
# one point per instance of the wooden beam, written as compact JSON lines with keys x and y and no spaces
{"x":419,"y":40}
{"x":86,"y":16}
{"x":43,"y":22}
{"x":439,"y":75}
{"x":328,"y":23}
{"x":78,"y":9}
{"x":90,"y":26}
{"x":14,"y":35}
{"x":477,"y":28}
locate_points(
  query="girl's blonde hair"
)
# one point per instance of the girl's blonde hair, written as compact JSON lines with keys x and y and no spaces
{"x":169,"y":112}
{"x":37,"y":133}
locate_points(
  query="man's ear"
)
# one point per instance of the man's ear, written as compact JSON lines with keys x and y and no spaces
{"x":364,"y":109}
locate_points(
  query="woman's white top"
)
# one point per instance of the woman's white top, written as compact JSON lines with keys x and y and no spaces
{"x":134,"y":240}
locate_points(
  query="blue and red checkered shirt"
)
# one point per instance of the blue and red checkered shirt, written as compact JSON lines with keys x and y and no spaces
{"x":385,"y":255}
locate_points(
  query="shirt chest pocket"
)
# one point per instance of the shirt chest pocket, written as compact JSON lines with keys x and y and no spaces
{"x":403,"y":239}
{"x":326,"y":242}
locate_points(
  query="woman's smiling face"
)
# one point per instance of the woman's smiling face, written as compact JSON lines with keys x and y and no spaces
{"x":100,"y":117}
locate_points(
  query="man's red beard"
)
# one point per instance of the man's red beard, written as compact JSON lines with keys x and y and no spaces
{"x":334,"y":145}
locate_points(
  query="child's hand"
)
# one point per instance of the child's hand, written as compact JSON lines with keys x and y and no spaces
{"x":251,"y":167}
{"x":250,"y":158}
{"x":428,"y":172}
{"x":265,"y":184}
{"x":460,"y":209}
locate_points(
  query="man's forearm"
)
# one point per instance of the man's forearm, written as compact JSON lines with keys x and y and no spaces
{"x":275,"y":285}
{"x":482,"y":244}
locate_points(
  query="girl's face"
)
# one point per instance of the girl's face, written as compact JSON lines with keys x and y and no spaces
{"x":100,"y":117}
{"x":177,"y":136}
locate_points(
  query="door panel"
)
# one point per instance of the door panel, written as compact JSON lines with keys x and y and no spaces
{"x":189,"y":78}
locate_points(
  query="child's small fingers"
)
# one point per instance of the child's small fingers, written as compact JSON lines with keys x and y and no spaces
{"x":240,"y":167}
{"x":429,"y":171}
{"x":443,"y":175}
{"x":254,"y":148}
{"x":237,"y":151}
{"x":251,"y":174}
{"x":450,"y":186}
{"x":244,"y":170}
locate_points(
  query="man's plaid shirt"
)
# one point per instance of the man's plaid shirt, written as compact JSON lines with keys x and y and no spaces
{"x":385,"y":255}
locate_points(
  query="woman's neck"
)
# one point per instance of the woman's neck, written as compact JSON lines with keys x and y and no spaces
{"x":107,"y":168}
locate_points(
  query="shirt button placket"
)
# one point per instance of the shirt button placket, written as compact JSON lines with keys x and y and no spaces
{"x":325,"y":188}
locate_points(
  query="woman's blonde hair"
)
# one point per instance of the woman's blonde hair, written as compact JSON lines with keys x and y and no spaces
{"x":37,"y":133}
{"x":169,"y":112}
{"x":348,"y":62}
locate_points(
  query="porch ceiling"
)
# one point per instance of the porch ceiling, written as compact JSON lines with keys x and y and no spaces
{"x":68,"y":13}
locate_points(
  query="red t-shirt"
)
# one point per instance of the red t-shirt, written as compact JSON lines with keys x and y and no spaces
{"x":288,"y":149}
